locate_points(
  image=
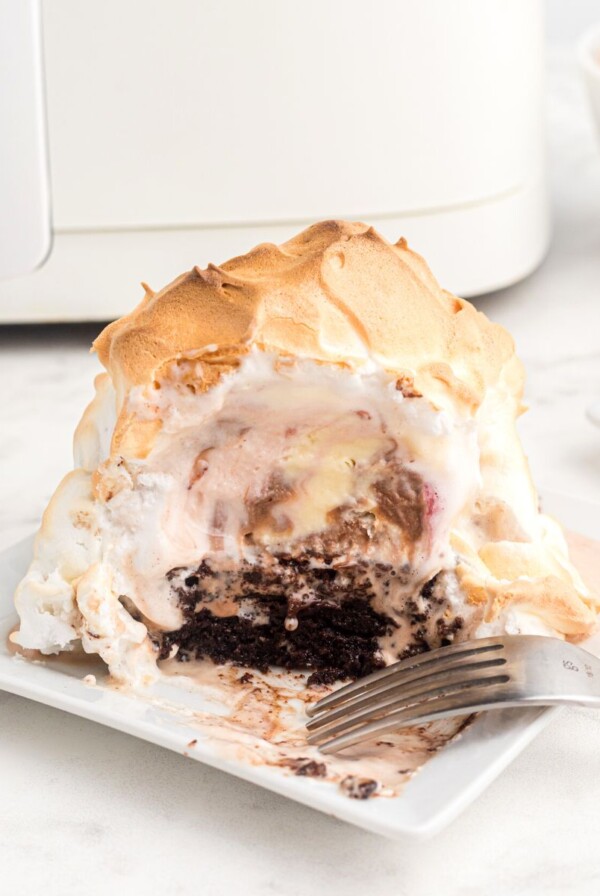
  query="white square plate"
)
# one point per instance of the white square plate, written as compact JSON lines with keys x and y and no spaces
{"x":436,"y":795}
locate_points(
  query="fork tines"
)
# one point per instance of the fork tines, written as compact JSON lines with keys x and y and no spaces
{"x":460,"y":677}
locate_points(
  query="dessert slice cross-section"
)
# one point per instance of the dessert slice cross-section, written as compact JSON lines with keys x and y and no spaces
{"x":305,"y":458}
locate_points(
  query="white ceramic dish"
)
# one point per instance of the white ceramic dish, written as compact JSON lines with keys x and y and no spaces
{"x":443,"y":788}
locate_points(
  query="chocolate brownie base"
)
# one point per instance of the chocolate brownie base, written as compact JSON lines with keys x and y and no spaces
{"x":300,"y":612}
{"x":336,"y":641}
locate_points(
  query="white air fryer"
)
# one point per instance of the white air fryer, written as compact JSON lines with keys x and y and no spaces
{"x":187,"y":131}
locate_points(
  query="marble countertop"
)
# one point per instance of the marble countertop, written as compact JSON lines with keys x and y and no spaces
{"x":87,"y":808}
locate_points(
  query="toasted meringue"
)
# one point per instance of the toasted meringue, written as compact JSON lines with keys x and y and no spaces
{"x":317,"y":412}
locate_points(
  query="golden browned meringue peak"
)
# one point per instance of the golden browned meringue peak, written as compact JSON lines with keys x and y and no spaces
{"x":337,"y":292}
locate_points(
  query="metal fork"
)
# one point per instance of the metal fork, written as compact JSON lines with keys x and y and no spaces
{"x":488,"y":673}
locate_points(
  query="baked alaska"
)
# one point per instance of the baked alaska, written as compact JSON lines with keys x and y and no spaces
{"x":306,"y":458}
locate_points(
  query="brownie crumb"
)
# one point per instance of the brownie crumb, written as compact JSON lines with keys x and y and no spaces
{"x":413,"y":649}
{"x":305,"y":767}
{"x":447,"y":630}
{"x":246,"y":678}
{"x":359,"y":788}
